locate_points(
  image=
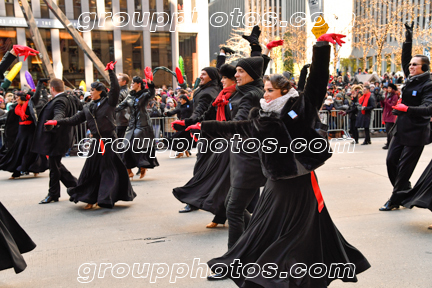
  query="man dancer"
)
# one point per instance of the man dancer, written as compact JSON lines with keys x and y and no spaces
{"x":411,"y":132}
{"x":57,"y":141}
{"x":122,"y":117}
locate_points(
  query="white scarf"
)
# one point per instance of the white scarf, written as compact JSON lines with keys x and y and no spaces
{"x":277,"y":104}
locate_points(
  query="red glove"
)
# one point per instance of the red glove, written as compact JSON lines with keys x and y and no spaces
{"x":110,"y":66}
{"x":179,"y":75}
{"x":197,"y":126}
{"x":51,"y":122}
{"x":25,"y":51}
{"x":400,"y":107}
{"x":275,"y":43}
{"x":148,"y":73}
{"x":178,"y":122}
{"x":332,"y":38}
{"x":102,"y":146}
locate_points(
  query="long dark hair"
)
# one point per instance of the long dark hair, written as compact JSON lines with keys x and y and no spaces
{"x":139,"y":80}
{"x":98,"y":86}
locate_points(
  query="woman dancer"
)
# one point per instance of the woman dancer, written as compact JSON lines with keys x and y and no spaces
{"x":421,"y":194}
{"x":291,"y":227}
{"x":104,"y":179}
{"x":181,"y":137}
{"x":19,"y":158}
{"x":140,"y":130}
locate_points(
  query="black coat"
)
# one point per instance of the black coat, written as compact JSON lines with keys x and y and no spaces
{"x":57,"y":141}
{"x":183,"y":111}
{"x":203,"y":97}
{"x":122,"y":117}
{"x":284,"y":128}
{"x":11,"y":122}
{"x":353,"y":110}
{"x":412,"y":129}
{"x":100,"y":114}
{"x":140,"y":125}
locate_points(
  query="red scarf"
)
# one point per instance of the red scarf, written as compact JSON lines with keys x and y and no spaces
{"x":222,"y":100}
{"x":364,"y":101}
{"x":21,"y":109}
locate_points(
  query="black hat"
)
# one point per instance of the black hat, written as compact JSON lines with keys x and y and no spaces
{"x":212,"y":72}
{"x":228,"y":71}
{"x":253,"y":66}
{"x":393,"y":86}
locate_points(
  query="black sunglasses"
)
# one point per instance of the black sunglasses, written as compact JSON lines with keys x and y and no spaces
{"x":414,"y":64}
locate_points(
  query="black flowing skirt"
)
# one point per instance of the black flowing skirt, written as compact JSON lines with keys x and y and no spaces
{"x":14,"y":241}
{"x":103,"y":179}
{"x":209,"y":186}
{"x":181,"y":141}
{"x":19,"y":158}
{"x":142,"y":157}
{"x":421,"y":194}
{"x":287,"y":231}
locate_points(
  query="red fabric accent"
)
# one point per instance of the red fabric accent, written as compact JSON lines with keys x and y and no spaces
{"x":102,"y":146}
{"x":179,"y":75}
{"x":364,"y":101}
{"x":28,"y":122}
{"x":317,"y":192}
{"x":20,"y":111}
{"x":222,"y":100}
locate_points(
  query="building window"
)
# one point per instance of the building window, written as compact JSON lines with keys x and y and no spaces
{"x":161,"y":56}
{"x":10,"y":8}
{"x":35,"y":62}
{"x":123,"y":6}
{"x":108,"y":5}
{"x":132,"y":50}
{"x":92,"y":6}
{"x":188,"y":51}
{"x":72,"y":58}
{"x":77,"y":8}
{"x":167,"y":6}
{"x":180,"y":5}
{"x":61,"y":5}
{"x":44,"y":10}
{"x":7,"y":40}
{"x":103,"y":47}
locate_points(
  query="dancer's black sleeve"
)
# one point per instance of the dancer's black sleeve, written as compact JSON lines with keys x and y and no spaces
{"x":114,"y":93}
{"x":316,"y":86}
{"x":226,"y":129}
{"x":302,"y":78}
{"x":220,"y":61}
{"x":78,"y":118}
{"x":406,"y":57}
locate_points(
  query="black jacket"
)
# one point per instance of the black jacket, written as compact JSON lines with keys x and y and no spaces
{"x":203,"y":97}
{"x":57,"y":141}
{"x":363,"y":120}
{"x":11,"y":122}
{"x":285,"y":128}
{"x":183,"y":111}
{"x":122,"y":117}
{"x":99,"y":114}
{"x":410,"y":128}
{"x":352,"y":110}
{"x":139,"y":122}
{"x":6,"y":61}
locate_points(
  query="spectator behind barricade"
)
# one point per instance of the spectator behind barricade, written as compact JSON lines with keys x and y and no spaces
{"x":329,"y":106}
{"x":367,"y":104}
{"x":391,"y":98}
{"x":2,"y":106}
{"x":155,"y":113}
{"x":339,"y":81}
{"x":340,"y":103}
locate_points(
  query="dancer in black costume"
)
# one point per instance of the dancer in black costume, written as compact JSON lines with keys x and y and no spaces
{"x":140,"y":128}
{"x":14,"y":241}
{"x":421,"y":194}
{"x":104,"y":179}
{"x":291,"y":224}
{"x":181,"y":139}
{"x":19,"y":157}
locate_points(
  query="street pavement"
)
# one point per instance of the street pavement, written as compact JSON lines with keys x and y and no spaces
{"x":150,"y":230}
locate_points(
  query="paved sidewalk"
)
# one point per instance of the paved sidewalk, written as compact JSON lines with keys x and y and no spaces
{"x":150,"y":229}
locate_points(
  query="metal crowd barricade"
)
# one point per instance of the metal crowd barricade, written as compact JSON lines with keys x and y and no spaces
{"x":338,"y":123}
{"x":1,"y":137}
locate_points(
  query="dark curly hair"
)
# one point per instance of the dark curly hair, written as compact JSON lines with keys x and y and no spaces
{"x":98,"y":86}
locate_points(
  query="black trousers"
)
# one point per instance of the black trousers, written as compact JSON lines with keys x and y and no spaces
{"x":401,"y":162}
{"x":354,"y":130}
{"x":120,"y":131}
{"x":221,"y":219}
{"x":238,"y":217}
{"x":367,"y":135}
{"x":388,"y":126}
{"x":58,"y":173}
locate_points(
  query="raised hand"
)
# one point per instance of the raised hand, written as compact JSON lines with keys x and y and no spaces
{"x":253,"y":37}
{"x":400,"y":107}
{"x":25,"y":51}
{"x":332,"y":38}
{"x":148,"y":74}
{"x":228,"y":50}
{"x":409,"y":31}
{"x":274,"y":43}
{"x":110,"y":65}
